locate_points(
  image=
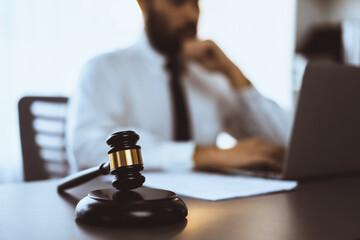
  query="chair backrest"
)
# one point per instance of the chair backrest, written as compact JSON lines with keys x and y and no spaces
{"x":42,"y":133}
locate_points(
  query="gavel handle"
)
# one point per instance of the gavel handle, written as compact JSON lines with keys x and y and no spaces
{"x":83,"y":176}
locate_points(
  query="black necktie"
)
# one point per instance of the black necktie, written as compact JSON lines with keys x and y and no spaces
{"x":181,"y":126}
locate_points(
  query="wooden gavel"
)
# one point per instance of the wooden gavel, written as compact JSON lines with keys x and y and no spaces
{"x":125,"y":163}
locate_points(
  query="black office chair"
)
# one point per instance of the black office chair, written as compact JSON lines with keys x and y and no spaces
{"x":42,"y":132}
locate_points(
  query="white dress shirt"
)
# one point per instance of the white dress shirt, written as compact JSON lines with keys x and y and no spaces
{"x":128,"y":89}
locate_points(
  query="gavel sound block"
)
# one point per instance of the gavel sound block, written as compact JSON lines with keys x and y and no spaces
{"x":127,"y":204}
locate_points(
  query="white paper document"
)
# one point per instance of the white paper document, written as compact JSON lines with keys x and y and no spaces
{"x":212,"y":186}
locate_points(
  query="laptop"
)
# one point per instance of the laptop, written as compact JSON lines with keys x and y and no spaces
{"x":325,"y":138}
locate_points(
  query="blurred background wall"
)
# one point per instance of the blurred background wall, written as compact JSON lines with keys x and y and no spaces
{"x":319,"y":12}
{"x":326,"y":30}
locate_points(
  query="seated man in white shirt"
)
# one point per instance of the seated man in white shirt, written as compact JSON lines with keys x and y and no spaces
{"x":131,"y":89}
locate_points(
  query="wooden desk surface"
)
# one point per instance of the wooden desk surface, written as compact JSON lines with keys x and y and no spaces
{"x":326,"y":209}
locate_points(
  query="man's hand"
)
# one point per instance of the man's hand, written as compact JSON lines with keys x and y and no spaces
{"x":208,"y":54}
{"x":247,"y":154}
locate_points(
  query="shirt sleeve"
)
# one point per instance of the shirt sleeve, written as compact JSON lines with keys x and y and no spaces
{"x":94,"y":113}
{"x":258,"y":116}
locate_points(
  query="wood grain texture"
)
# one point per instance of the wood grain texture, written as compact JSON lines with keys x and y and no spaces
{"x":323,"y":209}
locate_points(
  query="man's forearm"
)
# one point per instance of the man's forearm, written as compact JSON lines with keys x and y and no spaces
{"x":251,"y":152}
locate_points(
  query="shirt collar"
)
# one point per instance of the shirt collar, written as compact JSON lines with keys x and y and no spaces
{"x":148,"y":51}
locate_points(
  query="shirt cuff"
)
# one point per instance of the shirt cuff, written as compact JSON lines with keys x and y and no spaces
{"x":178,"y":155}
{"x":249,"y":94}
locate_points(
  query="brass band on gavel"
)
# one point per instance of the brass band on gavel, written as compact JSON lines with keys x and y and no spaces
{"x":125,"y":158}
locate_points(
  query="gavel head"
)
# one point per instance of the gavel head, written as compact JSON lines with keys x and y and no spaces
{"x":125,"y":160}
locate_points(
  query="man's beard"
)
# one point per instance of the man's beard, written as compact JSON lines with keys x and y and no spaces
{"x":161,"y":38}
